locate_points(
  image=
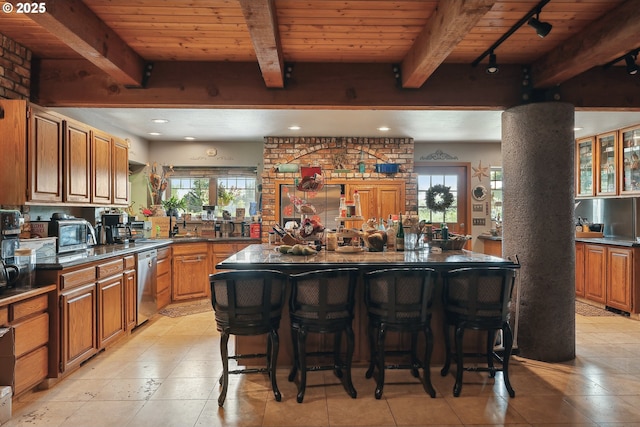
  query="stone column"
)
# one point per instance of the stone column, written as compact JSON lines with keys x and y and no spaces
{"x":538,"y":225}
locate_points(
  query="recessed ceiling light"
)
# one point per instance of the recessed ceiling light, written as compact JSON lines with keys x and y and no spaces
{"x":577,"y":128}
{"x":155,"y":133}
{"x":189,"y":138}
{"x":294,"y":127}
{"x":160,"y":121}
{"x":383,"y":128}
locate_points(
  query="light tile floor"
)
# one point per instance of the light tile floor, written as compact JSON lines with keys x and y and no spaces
{"x":166,"y":375}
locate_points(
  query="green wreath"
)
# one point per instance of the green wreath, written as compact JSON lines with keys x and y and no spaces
{"x":439,"y":198}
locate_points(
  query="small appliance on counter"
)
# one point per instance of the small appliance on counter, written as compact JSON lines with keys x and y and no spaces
{"x":9,"y":232}
{"x":8,"y":276}
{"x":114,"y":228}
{"x":74,"y":234}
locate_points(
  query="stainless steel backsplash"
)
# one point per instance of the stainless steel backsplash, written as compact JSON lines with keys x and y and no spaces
{"x":619,"y":215}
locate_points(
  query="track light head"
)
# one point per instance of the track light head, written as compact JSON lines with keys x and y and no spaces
{"x":632,"y":67}
{"x":542,"y":28}
{"x":492,"y":67}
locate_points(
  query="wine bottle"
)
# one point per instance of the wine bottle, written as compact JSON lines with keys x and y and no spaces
{"x":400,"y":236}
{"x":445,"y":231}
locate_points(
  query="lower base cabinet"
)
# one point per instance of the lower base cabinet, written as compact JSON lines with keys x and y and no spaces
{"x":79,"y":338}
{"x":130,"y":293}
{"x":190,"y":265}
{"x":164,"y":276}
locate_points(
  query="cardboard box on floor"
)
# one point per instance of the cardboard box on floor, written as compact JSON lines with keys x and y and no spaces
{"x":7,"y":371}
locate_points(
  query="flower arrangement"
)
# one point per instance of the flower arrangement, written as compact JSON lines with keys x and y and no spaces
{"x":146,"y":212}
{"x":157,"y":181}
{"x":227,"y":195}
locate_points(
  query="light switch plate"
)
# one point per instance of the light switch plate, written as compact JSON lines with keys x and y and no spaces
{"x":479,"y":221}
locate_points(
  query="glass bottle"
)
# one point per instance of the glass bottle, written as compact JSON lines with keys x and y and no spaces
{"x":445,"y":231}
{"x":356,"y":200}
{"x":343,"y":206}
{"x":391,"y":234}
{"x":400,"y":236}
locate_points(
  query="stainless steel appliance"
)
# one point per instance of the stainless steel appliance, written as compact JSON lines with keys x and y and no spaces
{"x":115,"y":228}
{"x":147,"y":265}
{"x":9,"y":232}
{"x":72,"y":233}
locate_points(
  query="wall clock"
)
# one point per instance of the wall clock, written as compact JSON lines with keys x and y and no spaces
{"x":479,"y":192}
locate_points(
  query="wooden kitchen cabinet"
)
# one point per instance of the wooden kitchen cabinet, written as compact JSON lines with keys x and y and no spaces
{"x":585,"y":164}
{"x":101,"y":167}
{"x":190,"y":271}
{"x":221,"y":251}
{"x":111,"y":306}
{"x":44,"y":156}
{"x":79,"y":338}
{"x":607,"y":162}
{"x":595,"y":273}
{"x":77,"y":148}
{"x":130,"y":292}
{"x":620,"y":262}
{"x":379,"y":199}
{"x":630,"y":161}
{"x":120,"y":172}
{"x":164,"y":277}
{"x":580,"y":269}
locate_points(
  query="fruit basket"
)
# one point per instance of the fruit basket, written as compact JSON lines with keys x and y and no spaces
{"x":450,"y":244}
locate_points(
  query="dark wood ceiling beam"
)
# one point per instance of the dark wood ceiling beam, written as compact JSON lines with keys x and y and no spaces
{"x":263,"y":27}
{"x":448,"y":25}
{"x":78,"y":27}
{"x":605,"y":39}
{"x":78,"y":83}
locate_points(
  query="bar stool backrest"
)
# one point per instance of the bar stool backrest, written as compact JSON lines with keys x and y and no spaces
{"x":479,"y":294}
{"x":400,"y":295}
{"x":248,"y":302}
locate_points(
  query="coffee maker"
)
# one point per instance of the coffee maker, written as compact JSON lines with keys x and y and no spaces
{"x":9,"y":232}
{"x":114,"y":228}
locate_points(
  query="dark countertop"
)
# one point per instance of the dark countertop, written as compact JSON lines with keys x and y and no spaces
{"x":489,"y":237}
{"x":617,"y":241}
{"x":12,"y":295}
{"x":266,"y":256}
{"x":101,"y":252}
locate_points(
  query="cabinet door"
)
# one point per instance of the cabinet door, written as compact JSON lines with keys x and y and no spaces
{"x":130,"y":299}
{"x":190,"y":276}
{"x":45,"y":156}
{"x":580,"y":269}
{"x":78,"y":329}
{"x":630,"y":173}
{"x":13,"y":139}
{"x":607,"y":151}
{"x":77,"y":148}
{"x":110,"y":309}
{"x":619,"y":278}
{"x":163,"y":281}
{"x":379,"y":200}
{"x":102,"y":165}
{"x":584,"y":167}
{"x":120,"y":172}
{"x":595,"y":273}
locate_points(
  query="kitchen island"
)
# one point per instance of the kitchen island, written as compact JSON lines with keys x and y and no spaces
{"x":265,"y":256}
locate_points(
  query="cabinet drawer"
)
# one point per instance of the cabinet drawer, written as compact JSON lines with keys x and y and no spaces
{"x":129,"y":262}
{"x":78,"y":277}
{"x":190,"y":248}
{"x":163,"y":298}
{"x":164,"y":252}
{"x":224,"y":248}
{"x":163,"y":282}
{"x":31,"y":334}
{"x":31,"y":369}
{"x":32,"y":305}
{"x":110,"y":268}
{"x":4,"y":316}
{"x":163,"y":267}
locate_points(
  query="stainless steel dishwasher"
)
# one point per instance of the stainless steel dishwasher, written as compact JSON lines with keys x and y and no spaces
{"x":147,"y":262}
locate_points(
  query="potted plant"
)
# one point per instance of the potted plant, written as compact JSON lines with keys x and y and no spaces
{"x":172,"y":205}
{"x":227,"y":195}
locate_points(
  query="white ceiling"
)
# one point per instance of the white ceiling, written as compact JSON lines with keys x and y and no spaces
{"x":254,"y":125}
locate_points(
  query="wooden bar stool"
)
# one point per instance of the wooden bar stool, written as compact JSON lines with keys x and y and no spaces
{"x":478,"y":298}
{"x":322,"y":302}
{"x":399,"y":300}
{"x":248,"y":303}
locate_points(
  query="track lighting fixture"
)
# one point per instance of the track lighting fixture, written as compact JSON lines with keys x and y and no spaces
{"x":492,"y":67}
{"x":632,"y":67}
{"x":542,"y":28}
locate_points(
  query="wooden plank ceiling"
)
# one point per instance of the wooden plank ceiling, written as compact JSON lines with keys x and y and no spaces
{"x":120,"y":44}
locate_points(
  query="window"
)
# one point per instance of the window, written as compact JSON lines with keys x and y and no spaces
{"x":495,"y":175}
{"x":227,"y":189}
{"x":427,"y":181}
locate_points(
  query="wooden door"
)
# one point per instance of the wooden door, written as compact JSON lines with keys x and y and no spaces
{"x":130,"y":299}
{"x":110,"y":309}
{"x":77,"y":148}
{"x":619,"y":278}
{"x":595,"y":273}
{"x":45,"y":156}
{"x":78,"y":331}
{"x":580,"y":269}
{"x":102,"y":166}
{"x":120,"y":172}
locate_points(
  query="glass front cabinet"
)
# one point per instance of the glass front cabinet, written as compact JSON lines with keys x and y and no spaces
{"x":584,"y":168}
{"x":630,"y":168}
{"x":606,"y":150}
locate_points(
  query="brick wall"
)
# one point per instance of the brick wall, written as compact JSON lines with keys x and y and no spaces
{"x":329,"y":153}
{"x":15,"y":69}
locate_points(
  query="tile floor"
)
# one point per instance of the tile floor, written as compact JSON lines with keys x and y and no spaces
{"x":166,"y":375}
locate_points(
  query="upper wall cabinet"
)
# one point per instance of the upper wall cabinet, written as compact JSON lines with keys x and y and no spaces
{"x":607,"y":157}
{"x":49,"y":159}
{"x":630,"y":176}
{"x":584,"y":167}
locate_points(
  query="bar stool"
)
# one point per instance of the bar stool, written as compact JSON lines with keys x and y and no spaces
{"x":248,"y":303}
{"x":478,"y":298}
{"x":322,"y":302}
{"x":399,"y":300}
